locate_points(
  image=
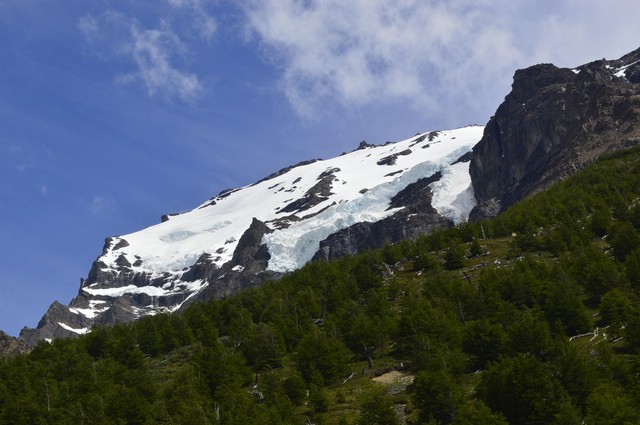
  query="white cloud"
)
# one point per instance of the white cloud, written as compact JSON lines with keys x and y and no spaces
{"x":578,"y":31}
{"x":366,"y":50}
{"x":154,"y":52}
{"x":151,"y":50}
{"x":432,"y":54}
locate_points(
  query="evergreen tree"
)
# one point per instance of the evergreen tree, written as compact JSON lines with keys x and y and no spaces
{"x":522,"y":389}
{"x":377,"y":409}
{"x":437,"y":396}
{"x":454,"y":256}
{"x":615,"y":308}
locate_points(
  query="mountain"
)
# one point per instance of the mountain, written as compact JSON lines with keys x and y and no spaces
{"x":320,"y":209}
{"x":529,"y":318}
{"x":554,"y":122}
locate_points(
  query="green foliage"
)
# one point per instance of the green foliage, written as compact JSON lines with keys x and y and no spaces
{"x":609,"y":405}
{"x":437,"y":396}
{"x":529,"y":334}
{"x":486,"y":336}
{"x":615,"y":309}
{"x":318,"y":399}
{"x":623,"y":239}
{"x":577,"y":374}
{"x":632,"y":331}
{"x":377,"y":409}
{"x":484,"y":340}
{"x":454,"y":256}
{"x":563,"y":304}
{"x":522,"y":389}
{"x":478,"y":414}
{"x":321,"y":358}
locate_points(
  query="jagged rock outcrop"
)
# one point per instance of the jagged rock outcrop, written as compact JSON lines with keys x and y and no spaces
{"x":554,"y":122}
{"x":10,"y":346}
{"x":49,"y":325}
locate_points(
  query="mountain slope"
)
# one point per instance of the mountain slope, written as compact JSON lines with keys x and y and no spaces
{"x":537,"y":323}
{"x":243,"y":236}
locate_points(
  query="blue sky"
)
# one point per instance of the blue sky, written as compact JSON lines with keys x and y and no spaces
{"x":113,"y":113}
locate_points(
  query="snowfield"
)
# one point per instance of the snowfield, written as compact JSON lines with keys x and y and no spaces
{"x":358,"y":187}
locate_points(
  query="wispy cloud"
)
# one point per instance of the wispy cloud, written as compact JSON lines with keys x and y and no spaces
{"x":152,"y":50}
{"x":26,"y":157}
{"x":88,"y":25}
{"x":203,"y":20}
{"x":433,"y":54}
{"x":102,"y":205}
{"x":361,"y":51}
{"x":156,"y":53}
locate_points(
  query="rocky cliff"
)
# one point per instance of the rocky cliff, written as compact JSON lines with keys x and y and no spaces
{"x":554,"y":122}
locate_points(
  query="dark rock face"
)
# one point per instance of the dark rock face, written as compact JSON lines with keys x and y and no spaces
{"x":250,"y":248}
{"x":415,"y":194}
{"x":10,"y":346}
{"x":554,"y":122}
{"x":246,"y":269}
{"x":49,"y":325}
{"x":316,"y":194}
{"x":364,"y":145}
{"x":286,"y":169}
{"x":391,"y":159}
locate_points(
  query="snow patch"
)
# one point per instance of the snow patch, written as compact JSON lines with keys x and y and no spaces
{"x":93,"y":309}
{"x":620,"y":72}
{"x":129,"y":289}
{"x":80,"y":331}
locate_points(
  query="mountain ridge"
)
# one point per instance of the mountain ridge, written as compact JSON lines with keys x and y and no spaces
{"x":247,"y":235}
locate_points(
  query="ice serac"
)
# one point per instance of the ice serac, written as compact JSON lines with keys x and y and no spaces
{"x":554,"y":122}
{"x":242,"y":237}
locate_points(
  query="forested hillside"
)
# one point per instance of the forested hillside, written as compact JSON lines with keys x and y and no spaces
{"x":532,"y":318}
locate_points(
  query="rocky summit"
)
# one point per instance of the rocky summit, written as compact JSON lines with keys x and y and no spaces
{"x":554,"y":122}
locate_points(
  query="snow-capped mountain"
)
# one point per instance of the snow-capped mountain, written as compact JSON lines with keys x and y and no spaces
{"x":243,"y":236}
{"x":554,"y":122}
